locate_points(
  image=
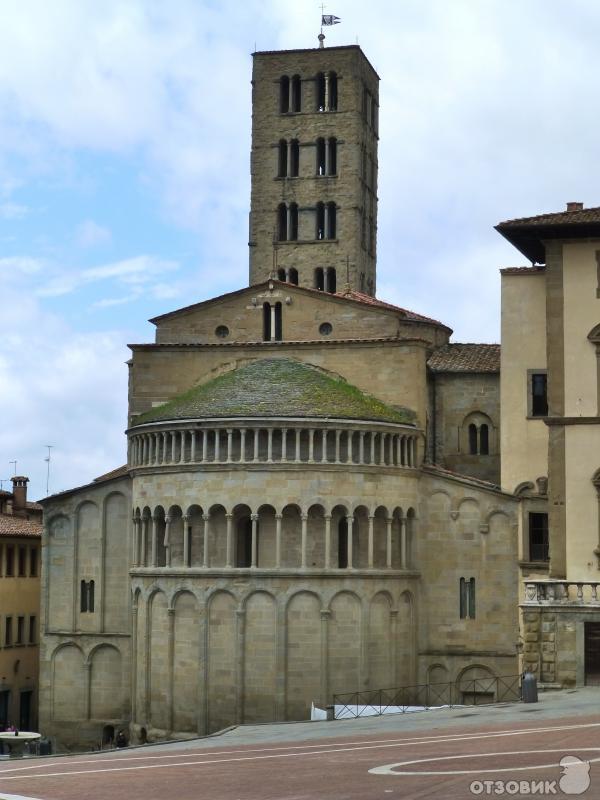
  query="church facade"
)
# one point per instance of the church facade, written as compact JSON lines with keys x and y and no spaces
{"x":311,"y":502}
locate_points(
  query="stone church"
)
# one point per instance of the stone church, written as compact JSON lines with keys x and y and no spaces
{"x":311,"y":499}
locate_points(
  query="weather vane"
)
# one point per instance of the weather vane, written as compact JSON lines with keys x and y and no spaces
{"x":326,"y":19}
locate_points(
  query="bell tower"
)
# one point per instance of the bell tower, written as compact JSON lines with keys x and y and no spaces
{"x":313,"y":205}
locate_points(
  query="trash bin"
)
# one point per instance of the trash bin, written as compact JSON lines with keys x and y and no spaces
{"x":45,"y":747}
{"x":529,"y":688}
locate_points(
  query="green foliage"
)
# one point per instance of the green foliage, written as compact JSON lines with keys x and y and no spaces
{"x":277,"y":387}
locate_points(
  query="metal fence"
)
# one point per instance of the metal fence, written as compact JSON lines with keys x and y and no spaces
{"x":476,"y":691}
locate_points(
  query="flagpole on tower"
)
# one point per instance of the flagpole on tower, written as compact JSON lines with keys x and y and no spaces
{"x":326,"y":19}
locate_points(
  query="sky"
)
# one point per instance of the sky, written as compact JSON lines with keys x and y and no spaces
{"x":124,"y":177}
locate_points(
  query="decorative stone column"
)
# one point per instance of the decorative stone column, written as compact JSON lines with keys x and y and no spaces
{"x":136,"y":541}
{"x":205,"y":533}
{"x":304,"y":519}
{"x":388,"y":542}
{"x":186,"y":540}
{"x":229,"y":445}
{"x":193,"y":448}
{"x":144,"y":547}
{"x":254,"y":520}
{"x":229,"y":542}
{"x":327,"y":541}
{"x":370,"y":542}
{"x":350,"y":523}
{"x":278,"y":520}
{"x":403,"y":544}
{"x":155,"y":540}
{"x":167,"y":541}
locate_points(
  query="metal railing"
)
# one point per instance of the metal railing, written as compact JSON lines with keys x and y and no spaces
{"x":421,"y":697}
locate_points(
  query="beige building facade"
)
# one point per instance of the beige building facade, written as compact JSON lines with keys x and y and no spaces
{"x":549,"y":401}
{"x":20,"y":548}
{"x":311,"y":499}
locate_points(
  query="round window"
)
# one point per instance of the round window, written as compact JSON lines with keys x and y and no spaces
{"x":222,"y":331}
{"x":325,"y":328}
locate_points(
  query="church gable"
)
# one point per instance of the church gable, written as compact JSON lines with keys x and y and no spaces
{"x":281,"y":311}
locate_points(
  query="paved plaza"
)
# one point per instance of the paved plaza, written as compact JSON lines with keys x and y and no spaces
{"x":450,"y":753}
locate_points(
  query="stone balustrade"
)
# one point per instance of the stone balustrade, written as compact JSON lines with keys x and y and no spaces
{"x":229,"y":442}
{"x":562,"y":593}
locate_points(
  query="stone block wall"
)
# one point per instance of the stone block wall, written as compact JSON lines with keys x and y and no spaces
{"x":354,"y":187}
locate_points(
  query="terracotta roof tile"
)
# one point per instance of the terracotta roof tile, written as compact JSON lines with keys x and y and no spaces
{"x":582,"y":216}
{"x":119,"y":472}
{"x":434,"y":469}
{"x":11,"y":525}
{"x":366,"y":299}
{"x":523,"y":270}
{"x":466,"y":358}
{"x":353,"y":296}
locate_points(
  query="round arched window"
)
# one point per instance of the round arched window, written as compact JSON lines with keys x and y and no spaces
{"x":325,"y":328}
{"x":222,"y":331}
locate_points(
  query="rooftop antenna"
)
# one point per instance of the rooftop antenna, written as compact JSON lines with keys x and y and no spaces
{"x":47,"y":460}
{"x":2,"y":482}
{"x":15,"y":463}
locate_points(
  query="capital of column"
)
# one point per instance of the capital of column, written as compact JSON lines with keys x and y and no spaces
{"x":227,"y":516}
{"x":350,"y":518}
{"x":240,"y":613}
{"x":389,"y":520}
{"x":206,"y":517}
{"x":170,"y":612}
{"x":325,"y":614}
{"x":304,"y":517}
{"x":168,"y":520}
{"x":327,"y":517}
{"x":185,"y":517}
{"x":278,"y":516}
{"x":254,"y":517}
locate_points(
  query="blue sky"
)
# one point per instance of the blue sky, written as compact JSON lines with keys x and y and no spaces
{"x":124,"y":177}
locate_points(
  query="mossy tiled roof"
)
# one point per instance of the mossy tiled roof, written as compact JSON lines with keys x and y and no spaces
{"x":277,"y":387}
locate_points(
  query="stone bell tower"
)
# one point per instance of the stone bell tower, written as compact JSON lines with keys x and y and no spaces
{"x":313,"y":207}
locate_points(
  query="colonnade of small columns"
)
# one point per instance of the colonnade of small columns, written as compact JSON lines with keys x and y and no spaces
{"x":294,"y":445}
{"x":153,"y":539}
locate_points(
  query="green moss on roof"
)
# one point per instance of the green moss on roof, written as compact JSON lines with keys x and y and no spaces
{"x":277,"y":387}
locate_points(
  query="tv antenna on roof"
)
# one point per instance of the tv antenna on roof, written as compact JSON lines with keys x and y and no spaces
{"x":15,"y":463}
{"x":47,"y":460}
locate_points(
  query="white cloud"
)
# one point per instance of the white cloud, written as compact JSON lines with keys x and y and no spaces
{"x":139,"y":273}
{"x":23,"y":264}
{"x":63,"y":388}
{"x":13,"y":211}
{"x":91,"y":234}
{"x":488,"y":110}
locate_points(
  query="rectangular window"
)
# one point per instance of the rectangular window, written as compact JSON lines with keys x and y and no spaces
{"x":8,"y":636}
{"x":538,"y":537}
{"x":467,"y":598}
{"x":21,"y":562}
{"x":4,"y":705}
{"x":33,"y":564}
{"x":538,"y":393}
{"x":32,"y":629}
{"x":10,"y":561}
{"x":20,"y":630}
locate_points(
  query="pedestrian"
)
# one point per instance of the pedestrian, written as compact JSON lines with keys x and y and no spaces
{"x":121,"y":740}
